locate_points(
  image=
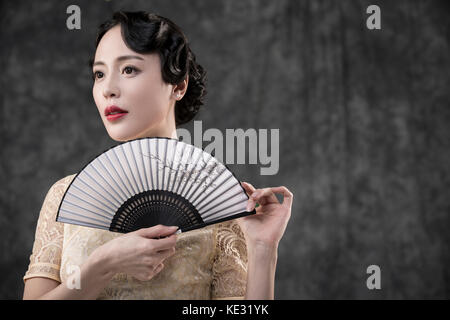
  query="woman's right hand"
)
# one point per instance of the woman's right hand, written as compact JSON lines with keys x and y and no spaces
{"x":139,"y":253}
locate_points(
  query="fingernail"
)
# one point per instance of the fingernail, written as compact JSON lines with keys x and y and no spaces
{"x":249,"y":206}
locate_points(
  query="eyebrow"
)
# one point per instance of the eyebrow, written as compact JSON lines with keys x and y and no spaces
{"x":121,"y":58}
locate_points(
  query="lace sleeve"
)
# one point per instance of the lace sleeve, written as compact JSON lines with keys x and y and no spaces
{"x":230,"y":263}
{"x":45,"y":259}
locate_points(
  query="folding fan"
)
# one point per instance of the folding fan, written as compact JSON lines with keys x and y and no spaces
{"x":149,"y":181}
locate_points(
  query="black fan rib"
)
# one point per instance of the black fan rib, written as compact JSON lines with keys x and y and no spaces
{"x":153,"y":207}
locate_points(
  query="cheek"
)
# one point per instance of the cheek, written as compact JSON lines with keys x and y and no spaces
{"x":148,"y":97}
{"x":95,"y":95}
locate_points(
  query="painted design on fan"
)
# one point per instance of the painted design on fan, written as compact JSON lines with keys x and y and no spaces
{"x":183,"y":173}
{"x":143,"y":168}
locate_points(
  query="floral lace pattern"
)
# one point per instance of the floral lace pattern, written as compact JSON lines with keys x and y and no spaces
{"x":209,"y":263}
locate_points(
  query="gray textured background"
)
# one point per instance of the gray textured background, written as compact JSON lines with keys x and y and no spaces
{"x":363,"y":116}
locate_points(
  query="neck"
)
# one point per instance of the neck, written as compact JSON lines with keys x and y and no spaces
{"x":168,"y":132}
{"x":165,"y":129}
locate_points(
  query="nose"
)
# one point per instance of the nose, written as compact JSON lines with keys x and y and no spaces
{"x":111,"y":88}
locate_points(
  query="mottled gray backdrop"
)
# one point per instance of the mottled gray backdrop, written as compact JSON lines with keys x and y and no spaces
{"x":363,"y":116}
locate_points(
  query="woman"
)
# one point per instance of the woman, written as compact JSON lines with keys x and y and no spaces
{"x":144,"y":66}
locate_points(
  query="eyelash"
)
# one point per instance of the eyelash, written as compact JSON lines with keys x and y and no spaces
{"x":94,"y":74}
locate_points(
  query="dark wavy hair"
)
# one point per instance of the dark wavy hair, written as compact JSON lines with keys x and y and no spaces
{"x":145,"y":33}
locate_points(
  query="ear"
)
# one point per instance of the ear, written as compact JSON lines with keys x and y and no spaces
{"x":180,"y":89}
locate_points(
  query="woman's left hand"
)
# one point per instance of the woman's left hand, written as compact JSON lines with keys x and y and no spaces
{"x":267,"y":226}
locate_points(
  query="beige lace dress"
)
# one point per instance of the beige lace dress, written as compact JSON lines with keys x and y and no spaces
{"x":209,"y":263}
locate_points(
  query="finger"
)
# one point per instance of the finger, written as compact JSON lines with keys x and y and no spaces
{"x":251,"y":204}
{"x":165,"y":243}
{"x":157,"y":231}
{"x":164,"y":254}
{"x":249,"y":189}
{"x":264,"y":196}
{"x":158,"y":268}
{"x":287,"y":195}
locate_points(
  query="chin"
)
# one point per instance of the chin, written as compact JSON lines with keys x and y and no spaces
{"x":120,"y":137}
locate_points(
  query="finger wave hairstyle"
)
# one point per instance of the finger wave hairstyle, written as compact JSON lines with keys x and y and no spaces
{"x":146,"y":33}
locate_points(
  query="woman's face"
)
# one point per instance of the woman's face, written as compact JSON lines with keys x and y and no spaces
{"x":133,"y":84}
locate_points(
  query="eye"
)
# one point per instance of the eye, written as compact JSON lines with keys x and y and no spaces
{"x":96,"y":74}
{"x":130,"y":69}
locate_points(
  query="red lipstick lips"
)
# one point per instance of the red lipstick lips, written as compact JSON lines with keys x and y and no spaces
{"x":114,"y":112}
